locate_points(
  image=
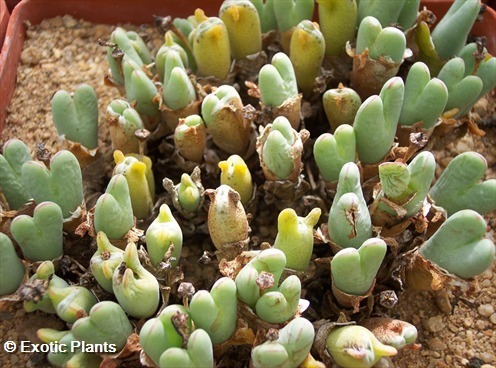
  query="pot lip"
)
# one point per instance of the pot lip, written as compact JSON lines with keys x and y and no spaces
{"x":4,"y":20}
{"x":37,"y":10}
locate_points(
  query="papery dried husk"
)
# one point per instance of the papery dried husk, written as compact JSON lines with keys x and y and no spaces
{"x":421,"y":274}
{"x":6,"y":216}
{"x":120,"y":140}
{"x":368,"y":76}
{"x":232,"y":268}
{"x":447,"y":131}
{"x":286,"y":193}
{"x":231,"y":131}
{"x":70,"y":224}
{"x":131,"y":348}
{"x":243,"y":335}
{"x":84,"y":155}
{"x":350,"y":301}
{"x":290,"y":109}
{"x":403,"y":133}
{"x":230,"y":251}
{"x":323,"y":330}
{"x":171,"y":117}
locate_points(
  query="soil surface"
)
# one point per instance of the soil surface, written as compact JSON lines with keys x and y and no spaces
{"x":61,"y":53}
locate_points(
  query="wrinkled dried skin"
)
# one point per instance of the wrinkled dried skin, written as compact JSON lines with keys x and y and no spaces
{"x":368,"y":75}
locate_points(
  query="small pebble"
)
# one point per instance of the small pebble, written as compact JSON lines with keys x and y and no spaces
{"x":434,"y":324}
{"x":485,"y":310}
{"x":436,"y":344}
{"x":480,"y":324}
{"x":493,"y":318}
{"x":487,"y":357}
{"x":467,"y":322}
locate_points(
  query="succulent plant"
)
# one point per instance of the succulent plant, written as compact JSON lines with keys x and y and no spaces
{"x":125,"y":43}
{"x":70,"y":357}
{"x":340,"y":105}
{"x":277,"y":83}
{"x":123,"y":120}
{"x":141,"y":92}
{"x":227,"y":222}
{"x":459,"y":245}
{"x":71,"y":302}
{"x":222,"y":111}
{"x":76,"y":117}
{"x":178,"y":89}
{"x":337,"y":20}
{"x":105,"y":260}
{"x":306,"y":52}
{"x":162,"y":233}
{"x":197,"y":353}
{"x":258,"y":286}
{"x":11,"y":268}
{"x":288,"y":14}
{"x":377,"y":57}
{"x":190,"y":138}
{"x":406,"y":186}
{"x":376,"y":121}
{"x":15,"y":154}
{"x":265,"y":9}
{"x":387,"y":42}
{"x":458,"y":187}
{"x":333,"y":151}
{"x":463,"y":91}
{"x":238,"y":16}
{"x":159,"y":334}
{"x":41,"y":300}
{"x":460,"y":16}
{"x":216,"y":311}
{"x":40,"y":237}
{"x":403,"y":12}
{"x":349,"y":222}
{"x":425,"y":98}
{"x":170,"y":49}
{"x":485,"y":68}
{"x":136,"y":289}
{"x":139,"y":176}
{"x":113,"y":210}
{"x":365,"y":262}
{"x":106,"y":323}
{"x":295,"y":237}
{"x":211,"y":46}
{"x":356,"y":347}
{"x":236,"y":174}
{"x":289,"y":348}
{"x":62,"y":184}
{"x":280,"y":149}
{"x":187,"y":196}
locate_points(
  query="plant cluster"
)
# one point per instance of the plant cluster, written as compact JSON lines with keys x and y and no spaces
{"x":279,"y":166}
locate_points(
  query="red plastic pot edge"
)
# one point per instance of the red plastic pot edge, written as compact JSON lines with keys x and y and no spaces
{"x":4,"y":20}
{"x":127,"y":11}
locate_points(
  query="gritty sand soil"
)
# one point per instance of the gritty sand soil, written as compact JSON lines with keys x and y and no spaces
{"x":63,"y":52}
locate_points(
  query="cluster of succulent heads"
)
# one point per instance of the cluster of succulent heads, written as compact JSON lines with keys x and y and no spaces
{"x":291,"y":153}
